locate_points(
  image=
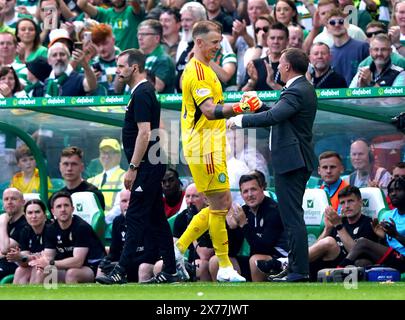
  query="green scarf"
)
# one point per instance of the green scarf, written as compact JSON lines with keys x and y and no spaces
{"x":32,"y":86}
{"x":53,"y":86}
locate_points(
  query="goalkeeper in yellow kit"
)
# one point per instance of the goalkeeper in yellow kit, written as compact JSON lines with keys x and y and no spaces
{"x":204,"y":143}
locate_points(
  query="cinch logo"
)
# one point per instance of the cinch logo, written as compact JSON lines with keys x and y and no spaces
{"x":79,"y":207}
{"x":310,"y":204}
{"x":366,"y":203}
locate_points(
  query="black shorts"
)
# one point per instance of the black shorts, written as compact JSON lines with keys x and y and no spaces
{"x":393,"y":259}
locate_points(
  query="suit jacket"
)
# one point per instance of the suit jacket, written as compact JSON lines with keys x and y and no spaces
{"x":292,"y":118}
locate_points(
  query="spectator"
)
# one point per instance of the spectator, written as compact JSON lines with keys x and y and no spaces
{"x":381,"y":72}
{"x":38,"y":71}
{"x":216,"y":13}
{"x":374,"y":28}
{"x":391,"y":229}
{"x":10,"y":85}
{"x":71,"y":245}
{"x":296,"y":36}
{"x":322,"y":75}
{"x":27,"y":180}
{"x":170,"y":20}
{"x":319,"y":32}
{"x":365,"y":173}
{"x":363,"y":16}
{"x":243,"y":34}
{"x":347,"y":52}
{"x":137,"y":272}
{"x":8,"y":55}
{"x":261,"y":33}
{"x":11,"y":225}
{"x":330,"y":168}
{"x":71,"y":167}
{"x":46,"y":15}
{"x":63,"y":80}
{"x":397,"y":29}
{"x":28,"y":41}
{"x":122,"y":16}
{"x":261,"y":224}
{"x":112,"y":176}
{"x":263,"y":74}
{"x":31,"y":242}
{"x":150,"y":34}
{"x":285,"y":12}
{"x":172,"y":192}
{"x":104,"y":63}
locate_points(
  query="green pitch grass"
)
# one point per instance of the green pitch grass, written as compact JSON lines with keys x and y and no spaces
{"x":209,"y":291}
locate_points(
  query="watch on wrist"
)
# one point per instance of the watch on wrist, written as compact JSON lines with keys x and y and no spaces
{"x":258,"y":46}
{"x":24,"y":259}
{"x":397,"y":46}
{"x":339,"y":227}
{"x":133,"y":167}
{"x":52,"y":262}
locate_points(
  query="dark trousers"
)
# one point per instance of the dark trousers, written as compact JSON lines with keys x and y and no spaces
{"x":290,"y":188}
{"x":147,"y":226}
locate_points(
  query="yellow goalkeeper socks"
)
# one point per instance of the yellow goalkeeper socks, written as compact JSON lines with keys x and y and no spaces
{"x":197,"y":226}
{"x":219,"y":236}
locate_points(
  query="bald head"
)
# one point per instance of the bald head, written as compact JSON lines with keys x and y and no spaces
{"x":193,"y":197}
{"x":13,"y":201}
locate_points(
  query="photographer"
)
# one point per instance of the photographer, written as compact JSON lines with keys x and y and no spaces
{"x":391,"y":229}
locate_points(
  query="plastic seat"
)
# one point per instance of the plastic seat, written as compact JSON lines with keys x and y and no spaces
{"x":374,"y":202}
{"x":7,"y":279}
{"x":31,"y":196}
{"x":87,"y":206}
{"x":314,"y":204}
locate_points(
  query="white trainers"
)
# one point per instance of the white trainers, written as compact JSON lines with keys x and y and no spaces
{"x":229,"y":274}
{"x":180,"y":266}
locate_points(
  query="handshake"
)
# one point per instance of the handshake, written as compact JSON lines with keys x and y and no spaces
{"x":250,"y":102}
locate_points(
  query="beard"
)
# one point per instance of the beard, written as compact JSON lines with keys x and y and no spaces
{"x":59,"y":68}
{"x":186,"y":36}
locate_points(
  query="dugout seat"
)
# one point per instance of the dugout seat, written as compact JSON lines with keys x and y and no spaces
{"x":314,"y":203}
{"x":374,"y":202}
{"x":31,"y":196}
{"x":7,"y":279}
{"x":87,"y":206}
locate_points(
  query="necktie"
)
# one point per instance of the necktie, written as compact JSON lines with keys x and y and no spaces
{"x":104,"y":179}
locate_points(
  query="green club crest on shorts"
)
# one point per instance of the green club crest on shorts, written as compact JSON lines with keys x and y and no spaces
{"x":222,"y":177}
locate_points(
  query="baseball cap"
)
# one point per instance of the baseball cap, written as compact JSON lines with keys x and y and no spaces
{"x":112,"y":143}
{"x":60,"y":35}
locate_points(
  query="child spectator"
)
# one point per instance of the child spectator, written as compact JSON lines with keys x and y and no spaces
{"x":38,"y":71}
{"x":27,"y":180}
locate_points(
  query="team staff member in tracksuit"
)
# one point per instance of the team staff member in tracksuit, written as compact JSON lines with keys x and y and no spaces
{"x":145,"y":213}
{"x":261,"y":224}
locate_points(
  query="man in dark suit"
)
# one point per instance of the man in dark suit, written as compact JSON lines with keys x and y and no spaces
{"x":293,"y":157}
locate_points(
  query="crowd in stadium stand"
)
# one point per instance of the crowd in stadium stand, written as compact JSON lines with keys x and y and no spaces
{"x":69,"y":48}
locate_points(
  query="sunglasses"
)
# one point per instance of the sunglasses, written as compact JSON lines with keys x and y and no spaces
{"x":334,"y":22}
{"x":370,"y":34}
{"x":265,"y":29}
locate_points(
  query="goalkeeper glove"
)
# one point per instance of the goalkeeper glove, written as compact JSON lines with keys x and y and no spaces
{"x":250,"y":105}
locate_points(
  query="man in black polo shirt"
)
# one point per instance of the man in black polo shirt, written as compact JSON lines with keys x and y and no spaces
{"x":12,"y":223}
{"x":145,"y":213}
{"x":71,"y":245}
